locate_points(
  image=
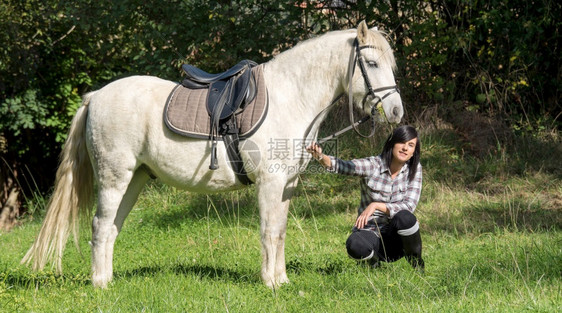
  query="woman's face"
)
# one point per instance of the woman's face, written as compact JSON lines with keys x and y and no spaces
{"x":403,"y":151}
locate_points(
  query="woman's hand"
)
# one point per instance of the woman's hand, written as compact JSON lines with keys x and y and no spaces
{"x":363,"y":218}
{"x":315,"y":150}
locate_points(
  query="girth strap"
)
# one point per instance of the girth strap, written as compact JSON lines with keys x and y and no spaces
{"x":231,"y":142}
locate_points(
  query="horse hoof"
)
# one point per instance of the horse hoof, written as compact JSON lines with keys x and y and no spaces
{"x":100,"y":282}
{"x":276,"y":283}
{"x":282,"y":279}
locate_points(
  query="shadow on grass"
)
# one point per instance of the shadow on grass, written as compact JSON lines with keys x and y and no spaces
{"x":30,"y":280}
{"x":201,"y":271}
{"x":329,"y":267}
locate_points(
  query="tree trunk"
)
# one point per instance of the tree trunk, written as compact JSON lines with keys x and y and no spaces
{"x":10,"y":204}
{"x":9,"y":209}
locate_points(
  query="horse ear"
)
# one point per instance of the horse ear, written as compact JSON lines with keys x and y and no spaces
{"x":362,"y":31}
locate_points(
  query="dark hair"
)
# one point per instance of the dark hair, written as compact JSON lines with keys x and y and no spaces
{"x":403,"y":134}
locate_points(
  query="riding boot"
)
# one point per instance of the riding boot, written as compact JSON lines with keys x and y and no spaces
{"x":412,"y":245}
{"x":374,"y":262}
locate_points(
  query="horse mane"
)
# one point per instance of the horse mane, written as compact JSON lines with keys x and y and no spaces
{"x":376,"y":36}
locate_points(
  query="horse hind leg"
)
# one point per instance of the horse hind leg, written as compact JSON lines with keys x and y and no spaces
{"x":114,"y":204}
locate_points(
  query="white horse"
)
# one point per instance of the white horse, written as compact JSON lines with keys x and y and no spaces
{"x":118,"y":140}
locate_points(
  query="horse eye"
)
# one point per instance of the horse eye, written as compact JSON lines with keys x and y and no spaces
{"x":372,"y":64}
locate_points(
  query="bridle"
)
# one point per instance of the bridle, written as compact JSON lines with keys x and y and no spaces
{"x":357,"y":57}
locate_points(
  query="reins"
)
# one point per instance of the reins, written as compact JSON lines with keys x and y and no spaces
{"x":354,"y":57}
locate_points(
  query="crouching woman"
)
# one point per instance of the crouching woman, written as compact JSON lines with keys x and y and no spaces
{"x":386,"y":228}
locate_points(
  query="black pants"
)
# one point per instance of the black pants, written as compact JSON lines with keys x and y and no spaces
{"x":398,"y":238}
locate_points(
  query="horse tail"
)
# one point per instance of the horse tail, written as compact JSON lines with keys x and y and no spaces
{"x":73,"y":196}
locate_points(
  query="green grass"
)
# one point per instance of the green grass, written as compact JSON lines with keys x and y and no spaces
{"x":491,"y":228}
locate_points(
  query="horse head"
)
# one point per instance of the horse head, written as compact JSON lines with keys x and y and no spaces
{"x":371,"y":67}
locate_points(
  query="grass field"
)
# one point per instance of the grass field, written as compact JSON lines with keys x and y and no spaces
{"x":491,"y":227}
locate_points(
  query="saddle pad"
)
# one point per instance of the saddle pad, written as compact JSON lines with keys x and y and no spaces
{"x":186,"y":114}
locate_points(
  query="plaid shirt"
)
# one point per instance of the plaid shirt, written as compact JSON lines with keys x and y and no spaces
{"x":377,"y":185}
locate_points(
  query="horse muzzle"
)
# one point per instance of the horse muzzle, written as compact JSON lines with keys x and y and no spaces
{"x":392,"y":112}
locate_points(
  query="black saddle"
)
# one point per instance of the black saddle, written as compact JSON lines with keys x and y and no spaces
{"x":228,"y":93}
{"x":199,"y":76}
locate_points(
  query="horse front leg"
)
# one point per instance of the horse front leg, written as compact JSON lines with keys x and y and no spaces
{"x":274,"y":196}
